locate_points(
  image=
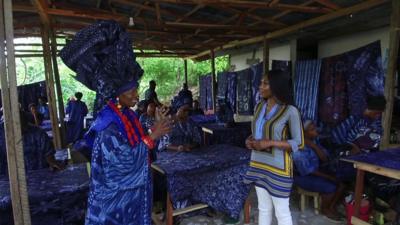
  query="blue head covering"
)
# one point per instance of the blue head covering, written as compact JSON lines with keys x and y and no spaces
{"x":103,"y":59}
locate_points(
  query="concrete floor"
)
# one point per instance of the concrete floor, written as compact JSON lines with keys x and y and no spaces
{"x":306,"y":218}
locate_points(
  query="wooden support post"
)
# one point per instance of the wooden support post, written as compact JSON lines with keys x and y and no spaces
{"x":359,"y":192}
{"x":50,"y":87}
{"x":186,"y":71}
{"x":170,"y":211}
{"x":266,"y":56}
{"x":247,"y":208}
{"x":59,"y":96}
{"x":12,"y":125}
{"x":213,"y":80}
{"x":391,"y":72}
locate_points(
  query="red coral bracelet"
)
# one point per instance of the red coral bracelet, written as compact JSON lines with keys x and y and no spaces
{"x":149,"y":142}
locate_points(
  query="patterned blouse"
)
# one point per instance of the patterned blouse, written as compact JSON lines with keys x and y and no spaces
{"x":274,"y":170}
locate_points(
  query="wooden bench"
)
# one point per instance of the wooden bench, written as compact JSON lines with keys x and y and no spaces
{"x":303,"y":201}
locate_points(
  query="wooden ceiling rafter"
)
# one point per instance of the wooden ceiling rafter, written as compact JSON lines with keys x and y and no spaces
{"x":296,"y":27}
{"x":252,"y":4}
{"x":191,"y":12}
{"x":328,"y":4}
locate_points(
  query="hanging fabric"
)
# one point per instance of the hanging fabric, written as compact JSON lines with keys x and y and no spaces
{"x":257,"y":73}
{"x":244,"y":92}
{"x":306,"y":88}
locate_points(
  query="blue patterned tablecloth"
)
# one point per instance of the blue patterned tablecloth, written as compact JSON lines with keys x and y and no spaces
{"x":388,"y":158}
{"x":55,"y":198}
{"x":212,"y":175}
{"x":235,"y":135}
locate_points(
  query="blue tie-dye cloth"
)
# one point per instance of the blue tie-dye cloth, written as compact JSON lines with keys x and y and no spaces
{"x":57,"y":198}
{"x":306,"y":88}
{"x":212,"y":175}
{"x":347,"y":80}
{"x":389,"y":158}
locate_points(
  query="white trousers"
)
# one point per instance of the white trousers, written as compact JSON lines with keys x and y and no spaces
{"x":265,"y":204}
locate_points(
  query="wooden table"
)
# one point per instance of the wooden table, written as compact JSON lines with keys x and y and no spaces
{"x":238,"y":133}
{"x":171,"y":212}
{"x":362,"y":165}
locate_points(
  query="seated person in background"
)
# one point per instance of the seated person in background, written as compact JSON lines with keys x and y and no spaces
{"x":34,"y":117}
{"x":362,"y":133}
{"x":147,"y":120}
{"x":141,"y":108}
{"x":313,"y":176}
{"x":150,"y":94}
{"x":185,"y":135}
{"x":38,"y":149}
{"x":43,"y":108}
{"x":224,"y":114}
{"x":196,"y":110}
{"x":185,"y":93}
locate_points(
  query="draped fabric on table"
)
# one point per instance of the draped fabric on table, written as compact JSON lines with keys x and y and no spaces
{"x":29,"y":93}
{"x":206,"y":92}
{"x":347,"y":80}
{"x":306,"y":88}
{"x":244,"y":92}
{"x":212,"y":175}
{"x":54,"y":197}
{"x":257,"y":73}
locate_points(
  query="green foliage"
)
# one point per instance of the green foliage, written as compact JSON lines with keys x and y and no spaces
{"x":167,"y":72}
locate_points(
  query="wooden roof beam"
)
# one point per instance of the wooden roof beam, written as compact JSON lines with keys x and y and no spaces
{"x":328,"y":4}
{"x":269,"y":21}
{"x":305,"y":24}
{"x":252,"y":4}
{"x":191,"y":12}
{"x":42,"y":7}
{"x":158,"y":13}
{"x":282,"y":14}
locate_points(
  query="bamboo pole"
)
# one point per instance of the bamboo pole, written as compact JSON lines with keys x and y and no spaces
{"x":59,"y":95}
{"x":186,"y":71}
{"x":12,"y":125}
{"x":213,"y":80}
{"x":391,"y":72}
{"x":50,"y":87}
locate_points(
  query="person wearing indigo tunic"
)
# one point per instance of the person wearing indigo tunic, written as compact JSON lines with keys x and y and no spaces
{"x":314,"y":174}
{"x":76,"y":110}
{"x":43,"y":108}
{"x":276,"y":132}
{"x":185,"y":135}
{"x":37,"y":146}
{"x":120,"y":182}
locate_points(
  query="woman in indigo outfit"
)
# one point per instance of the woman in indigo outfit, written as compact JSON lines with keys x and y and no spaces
{"x":120,"y":186}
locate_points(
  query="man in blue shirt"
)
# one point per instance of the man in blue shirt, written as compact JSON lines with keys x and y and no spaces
{"x":364,"y":132}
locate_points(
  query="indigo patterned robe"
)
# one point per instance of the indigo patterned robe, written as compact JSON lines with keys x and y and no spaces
{"x":120,"y":187}
{"x":77,"y":111}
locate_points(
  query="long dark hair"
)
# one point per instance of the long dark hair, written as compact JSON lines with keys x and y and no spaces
{"x":280,"y":85}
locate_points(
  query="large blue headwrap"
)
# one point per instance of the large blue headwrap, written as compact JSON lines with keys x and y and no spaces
{"x":103,"y":59}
